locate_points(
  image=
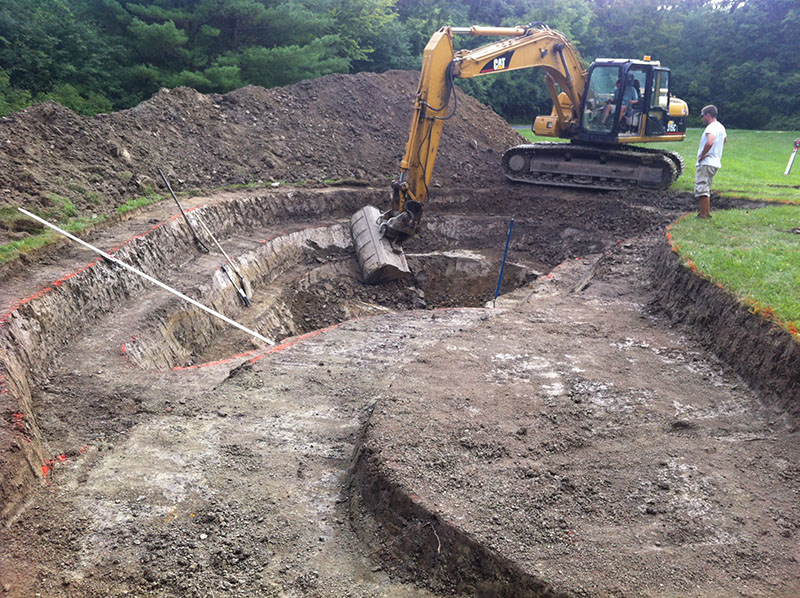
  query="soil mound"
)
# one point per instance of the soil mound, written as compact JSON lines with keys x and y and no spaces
{"x":335,"y":127}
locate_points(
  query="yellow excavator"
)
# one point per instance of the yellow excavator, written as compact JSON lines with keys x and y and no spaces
{"x":602,"y":110}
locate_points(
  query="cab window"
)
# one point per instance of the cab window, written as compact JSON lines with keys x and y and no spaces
{"x":659,"y":93}
{"x":599,"y":94}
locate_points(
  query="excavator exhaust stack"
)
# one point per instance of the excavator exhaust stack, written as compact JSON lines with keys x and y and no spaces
{"x":380,"y":260}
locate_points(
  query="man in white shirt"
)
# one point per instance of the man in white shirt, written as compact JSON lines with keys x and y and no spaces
{"x":709,"y":158}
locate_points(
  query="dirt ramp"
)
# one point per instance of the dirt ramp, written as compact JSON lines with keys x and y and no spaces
{"x":566,"y":446}
{"x":335,"y":127}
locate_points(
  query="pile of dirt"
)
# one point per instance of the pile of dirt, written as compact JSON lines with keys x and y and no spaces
{"x":336,"y":127}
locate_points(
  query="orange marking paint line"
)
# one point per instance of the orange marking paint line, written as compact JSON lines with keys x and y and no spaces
{"x":7,"y":316}
{"x":49,"y":464}
{"x":275,"y":349}
{"x":17,"y":419}
{"x":766,"y":313}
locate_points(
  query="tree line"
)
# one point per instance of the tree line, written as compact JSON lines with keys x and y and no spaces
{"x":102,"y":55}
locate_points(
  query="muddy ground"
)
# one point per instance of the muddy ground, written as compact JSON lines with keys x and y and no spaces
{"x":406,"y":440}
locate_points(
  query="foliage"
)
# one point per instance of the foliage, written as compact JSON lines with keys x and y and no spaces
{"x":138,"y":202}
{"x":11,"y":251}
{"x":100,"y":55}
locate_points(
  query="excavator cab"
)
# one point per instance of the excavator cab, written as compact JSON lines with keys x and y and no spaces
{"x":629,"y":101}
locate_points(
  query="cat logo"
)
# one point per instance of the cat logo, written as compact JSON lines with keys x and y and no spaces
{"x":500,"y":63}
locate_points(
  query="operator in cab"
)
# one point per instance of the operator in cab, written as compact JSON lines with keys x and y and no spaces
{"x":628,"y":96}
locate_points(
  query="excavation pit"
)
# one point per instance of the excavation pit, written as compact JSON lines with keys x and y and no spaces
{"x":565,"y":443}
{"x":310,"y":279}
{"x":571,"y":443}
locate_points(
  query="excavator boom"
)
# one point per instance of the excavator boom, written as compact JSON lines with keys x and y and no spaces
{"x":579,"y":105}
{"x":523,"y":47}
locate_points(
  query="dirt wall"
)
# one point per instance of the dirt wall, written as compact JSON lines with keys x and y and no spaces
{"x":763,"y":353}
{"x":36,"y":329}
{"x":416,"y":538}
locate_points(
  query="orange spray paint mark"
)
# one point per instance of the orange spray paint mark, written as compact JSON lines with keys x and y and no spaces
{"x":49,"y":465}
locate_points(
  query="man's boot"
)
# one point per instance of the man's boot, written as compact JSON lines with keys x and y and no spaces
{"x":705,"y":206}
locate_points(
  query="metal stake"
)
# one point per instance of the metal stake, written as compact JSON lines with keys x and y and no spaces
{"x":240,"y":287}
{"x":198,"y":243}
{"x":503,"y":265}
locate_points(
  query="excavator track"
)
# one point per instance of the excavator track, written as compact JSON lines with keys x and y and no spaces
{"x":580,"y":165}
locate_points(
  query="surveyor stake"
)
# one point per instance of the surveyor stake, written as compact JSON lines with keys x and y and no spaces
{"x":242,"y":295}
{"x":198,"y":243}
{"x":240,"y":288}
{"x":503,"y":264}
{"x":792,"y":157}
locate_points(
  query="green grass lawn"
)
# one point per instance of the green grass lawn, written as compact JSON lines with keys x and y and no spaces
{"x":752,"y":165}
{"x":752,"y":253}
{"x":749,"y":252}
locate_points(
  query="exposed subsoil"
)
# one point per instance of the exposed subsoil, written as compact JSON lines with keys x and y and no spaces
{"x":335,"y":128}
{"x":572,"y":441}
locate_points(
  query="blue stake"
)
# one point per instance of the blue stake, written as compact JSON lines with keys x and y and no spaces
{"x":503,"y":265}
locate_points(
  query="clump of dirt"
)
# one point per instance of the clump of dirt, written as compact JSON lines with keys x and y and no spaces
{"x":326,"y":302}
{"x":333,"y":128}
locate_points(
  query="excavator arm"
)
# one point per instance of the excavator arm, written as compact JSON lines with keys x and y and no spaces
{"x":583,"y":101}
{"x":535,"y":45}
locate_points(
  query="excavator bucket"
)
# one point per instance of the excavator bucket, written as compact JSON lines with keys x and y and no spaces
{"x":380,"y":261}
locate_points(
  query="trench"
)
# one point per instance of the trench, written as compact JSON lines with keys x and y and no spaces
{"x":90,"y":361}
{"x":81,"y":333}
{"x":308,"y":280}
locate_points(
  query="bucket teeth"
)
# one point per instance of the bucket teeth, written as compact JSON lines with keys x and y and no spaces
{"x":379,"y":260}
